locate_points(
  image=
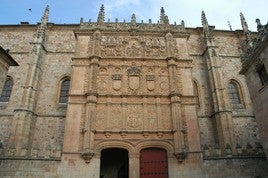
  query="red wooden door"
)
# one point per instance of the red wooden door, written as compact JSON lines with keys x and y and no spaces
{"x":153,"y":163}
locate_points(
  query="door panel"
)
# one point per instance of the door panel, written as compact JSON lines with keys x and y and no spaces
{"x":153,"y":163}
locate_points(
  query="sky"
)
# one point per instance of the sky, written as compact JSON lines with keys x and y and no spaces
{"x":218,"y":12}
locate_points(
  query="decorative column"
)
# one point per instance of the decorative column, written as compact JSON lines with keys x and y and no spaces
{"x":134,"y":165}
{"x":222,"y":113}
{"x":180,"y":149}
{"x":23,"y":124}
{"x":91,"y":101}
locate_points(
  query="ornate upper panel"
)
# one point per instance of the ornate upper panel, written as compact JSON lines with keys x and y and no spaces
{"x":128,"y":46}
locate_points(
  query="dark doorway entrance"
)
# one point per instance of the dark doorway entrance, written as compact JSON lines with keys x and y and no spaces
{"x":153,"y":163}
{"x":114,"y":163}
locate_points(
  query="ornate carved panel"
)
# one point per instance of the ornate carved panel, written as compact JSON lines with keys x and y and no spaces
{"x":131,"y":46}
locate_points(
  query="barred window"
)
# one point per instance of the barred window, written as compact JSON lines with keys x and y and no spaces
{"x":64,"y":91}
{"x":234,"y":93}
{"x":6,"y":92}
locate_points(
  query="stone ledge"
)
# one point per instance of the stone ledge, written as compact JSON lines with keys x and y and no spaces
{"x":34,"y":159}
{"x":235,"y":157}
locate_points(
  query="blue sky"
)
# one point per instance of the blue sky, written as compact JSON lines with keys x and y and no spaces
{"x":69,"y":11}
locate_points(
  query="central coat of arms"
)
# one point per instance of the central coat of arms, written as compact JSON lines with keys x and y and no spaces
{"x":134,"y":77}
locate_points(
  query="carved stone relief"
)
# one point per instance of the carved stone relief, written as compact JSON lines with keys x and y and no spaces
{"x":116,"y":117}
{"x":132,"y":79}
{"x":130,"y":46}
{"x":134,"y":117}
{"x":152,"y":121}
{"x":165,"y":118}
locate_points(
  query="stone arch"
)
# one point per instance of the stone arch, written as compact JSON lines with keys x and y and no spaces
{"x":114,"y":144}
{"x":155,"y":144}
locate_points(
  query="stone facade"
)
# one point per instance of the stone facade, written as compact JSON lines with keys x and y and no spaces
{"x":133,"y":86}
{"x":255,"y":66}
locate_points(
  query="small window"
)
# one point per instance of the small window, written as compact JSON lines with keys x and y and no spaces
{"x":6,"y":92}
{"x":64,"y":91}
{"x":263,"y":75}
{"x":234,"y":93}
{"x":196,"y":93}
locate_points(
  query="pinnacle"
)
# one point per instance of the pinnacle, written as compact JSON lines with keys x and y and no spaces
{"x":204,"y":19}
{"x":243,"y":22}
{"x":133,"y":19}
{"x":101,"y":15}
{"x":45,"y":15}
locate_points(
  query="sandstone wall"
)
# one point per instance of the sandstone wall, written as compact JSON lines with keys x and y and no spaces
{"x":245,"y":127}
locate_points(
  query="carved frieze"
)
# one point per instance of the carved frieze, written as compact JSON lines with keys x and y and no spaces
{"x":131,"y":46}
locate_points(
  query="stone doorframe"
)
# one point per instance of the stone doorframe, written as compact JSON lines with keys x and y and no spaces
{"x":134,"y":151}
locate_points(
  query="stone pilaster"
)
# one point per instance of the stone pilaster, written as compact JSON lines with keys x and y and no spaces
{"x":24,"y":117}
{"x":222,"y":112}
{"x":88,"y":142}
{"x":176,"y":111}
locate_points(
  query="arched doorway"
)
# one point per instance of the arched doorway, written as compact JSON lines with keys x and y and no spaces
{"x":153,"y":163}
{"x":114,"y":163}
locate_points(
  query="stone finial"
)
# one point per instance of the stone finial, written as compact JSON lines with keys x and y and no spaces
{"x":133,"y":20}
{"x":245,"y":29}
{"x":183,"y":23}
{"x":101,"y":15}
{"x":243,"y":23}
{"x":229,"y":25}
{"x":163,"y":17}
{"x":204,"y":21}
{"x":259,"y":25}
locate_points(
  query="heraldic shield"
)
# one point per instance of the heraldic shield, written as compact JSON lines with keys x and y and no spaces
{"x":134,"y":82}
{"x":134,"y":77}
{"x":117,"y":81}
{"x":150,"y":80}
